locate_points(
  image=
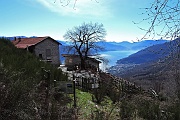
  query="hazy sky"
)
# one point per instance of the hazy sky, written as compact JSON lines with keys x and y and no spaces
{"x":46,"y":18}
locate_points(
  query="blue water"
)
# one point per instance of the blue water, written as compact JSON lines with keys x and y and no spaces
{"x":113,"y":56}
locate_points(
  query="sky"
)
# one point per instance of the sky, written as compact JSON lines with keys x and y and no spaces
{"x":53,"y":17}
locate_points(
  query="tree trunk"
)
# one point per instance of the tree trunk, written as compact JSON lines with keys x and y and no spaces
{"x":83,"y":63}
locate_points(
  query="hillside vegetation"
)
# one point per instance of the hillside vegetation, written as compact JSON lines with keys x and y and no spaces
{"x":28,"y":92}
{"x":154,"y":68}
{"x":147,"y":55}
{"x":23,"y":84}
{"x":158,"y":64}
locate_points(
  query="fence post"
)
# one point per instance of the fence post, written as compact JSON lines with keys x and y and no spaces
{"x":55,"y":85}
{"x":74,"y":90}
{"x":47,"y":80}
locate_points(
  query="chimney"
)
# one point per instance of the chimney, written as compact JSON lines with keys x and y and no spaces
{"x":19,"y":39}
{"x":14,"y":38}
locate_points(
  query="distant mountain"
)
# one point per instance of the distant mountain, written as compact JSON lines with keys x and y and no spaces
{"x":112,"y":46}
{"x":115,"y":46}
{"x":141,"y":44}
{"x":149,"y":54}
{"x":153,"y":67}
{"x":145,"y":57}
{"x":12,"y":38}
{"x":125,"y":45}
{"x":146,"y":43}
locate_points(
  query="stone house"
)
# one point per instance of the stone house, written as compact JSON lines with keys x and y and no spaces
{"x":72,"y":61}
{"x":46,"y":48}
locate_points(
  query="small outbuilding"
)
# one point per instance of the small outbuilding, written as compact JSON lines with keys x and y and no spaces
{"x":72,"y":61}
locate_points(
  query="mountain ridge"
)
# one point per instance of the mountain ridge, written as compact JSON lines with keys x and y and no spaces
{"x":148,"y":55}
{"x":159,"y":69}
{"x":114,"y":46}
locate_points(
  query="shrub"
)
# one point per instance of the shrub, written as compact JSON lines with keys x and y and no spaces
{"x":149,"y":110}
{"x":20,"y":76}
{"x":127,"y":110}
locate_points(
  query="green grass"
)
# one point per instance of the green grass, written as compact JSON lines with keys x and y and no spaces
{"x":85,"y":104}
{"x":88,"y":110}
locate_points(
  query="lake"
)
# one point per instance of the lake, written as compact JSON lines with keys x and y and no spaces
{"x":113,"y":56}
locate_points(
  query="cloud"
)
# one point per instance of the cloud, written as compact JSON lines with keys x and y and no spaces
{"x":81,"y":7}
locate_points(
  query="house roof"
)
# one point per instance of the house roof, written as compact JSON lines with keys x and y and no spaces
{"x":89,"y":58}
{"x":26,"y":42}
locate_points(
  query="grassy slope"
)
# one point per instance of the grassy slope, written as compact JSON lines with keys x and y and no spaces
{"x":89,"y":110}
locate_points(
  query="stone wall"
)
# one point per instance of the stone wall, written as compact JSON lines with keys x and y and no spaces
{"x":48,"y":50}
{"x":72,"y":61}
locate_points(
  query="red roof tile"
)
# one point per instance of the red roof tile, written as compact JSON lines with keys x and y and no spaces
{"x":26,"y":42}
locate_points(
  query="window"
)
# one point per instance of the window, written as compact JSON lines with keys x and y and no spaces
{"x":48,"y":52}
{"x":40,"y":56}
{"x":70,"y":60}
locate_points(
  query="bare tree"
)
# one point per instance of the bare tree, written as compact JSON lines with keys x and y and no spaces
{"x":67,"y":2}
{"x":83,"y":40}
{"x":163,"y":17}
